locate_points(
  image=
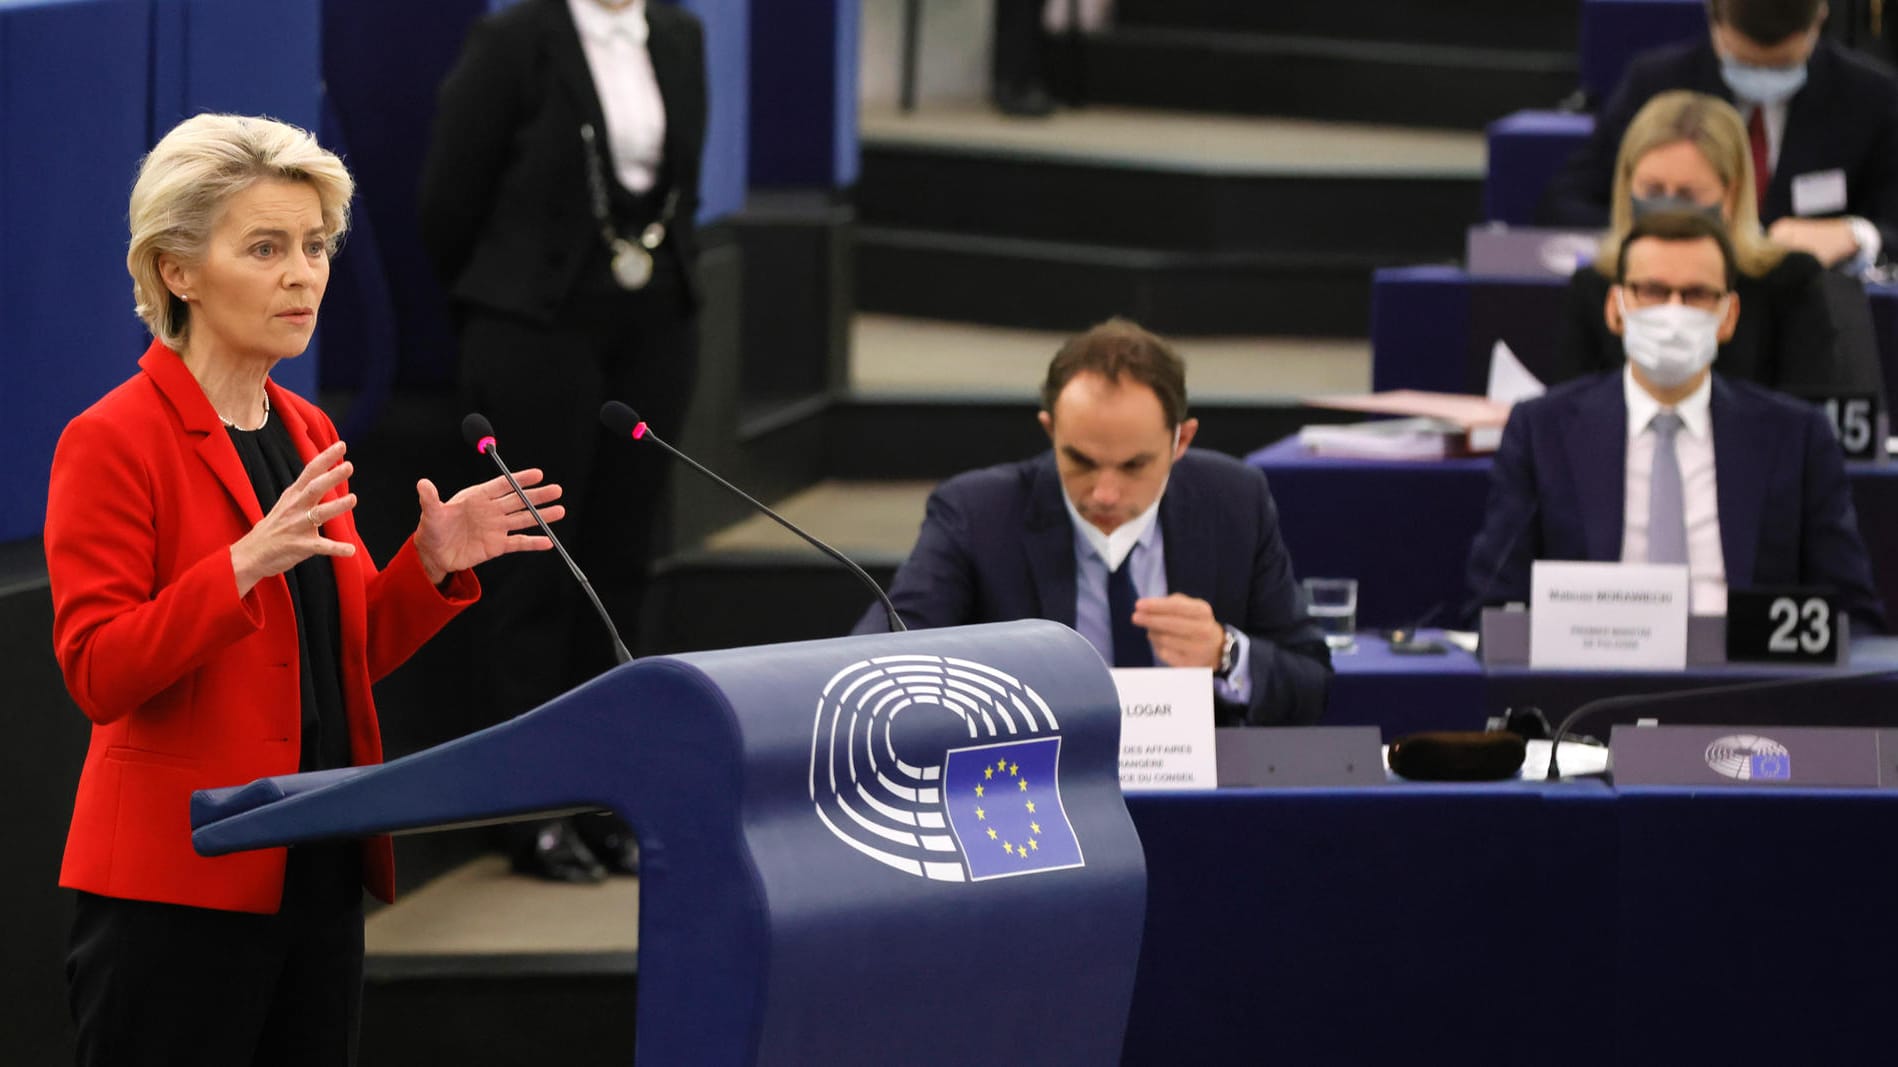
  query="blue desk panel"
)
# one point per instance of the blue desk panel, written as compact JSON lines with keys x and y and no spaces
{"x":1403,"y":528}
{"x":1403,"y":694}
{"x":1516,"y":923}
{"x":1526,"y":151}
{"x":1353,"y":926}
{"x":1420,"y":328}
{"x":1528,"y":148}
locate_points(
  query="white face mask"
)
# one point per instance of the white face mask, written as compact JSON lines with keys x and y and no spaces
{"x":1115,"y":547}
{"x":1670,"y":342}
{"x":1763,"y":85}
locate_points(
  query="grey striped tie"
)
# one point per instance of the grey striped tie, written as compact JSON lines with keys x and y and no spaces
{"x":1667,"y":508}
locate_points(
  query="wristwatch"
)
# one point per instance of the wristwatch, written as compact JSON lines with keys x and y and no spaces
{"x":1228,"y":655}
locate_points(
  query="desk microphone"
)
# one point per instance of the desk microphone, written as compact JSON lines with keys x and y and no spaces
{"x":1634,"y":700}
{"x":624,"y":421}
{"x":479,"y":433}
{"x":1502,"y":558}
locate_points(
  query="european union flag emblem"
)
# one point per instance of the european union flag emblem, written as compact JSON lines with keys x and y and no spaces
{"x":1004,"y":804}
{"x":1771,"y":766}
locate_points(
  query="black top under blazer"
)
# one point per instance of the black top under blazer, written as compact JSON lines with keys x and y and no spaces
{"x":1845,"y":118}
{"x":506,"y":208}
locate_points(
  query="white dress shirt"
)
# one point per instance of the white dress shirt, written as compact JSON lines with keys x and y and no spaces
{"x":615,"y":45}
{"x":1693,"y":448}
{"x":1137,"y":544}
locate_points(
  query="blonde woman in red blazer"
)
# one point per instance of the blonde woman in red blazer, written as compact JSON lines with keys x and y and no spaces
{"x":218,"y":619}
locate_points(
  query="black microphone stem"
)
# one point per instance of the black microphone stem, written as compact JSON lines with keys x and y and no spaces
{"x":620,"y":654}
{"x":896,"y":621}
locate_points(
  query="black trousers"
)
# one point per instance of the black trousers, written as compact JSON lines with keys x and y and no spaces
{"x":164,"y":985}
{"x":1018,"y":61}
{"x":542,"y":386}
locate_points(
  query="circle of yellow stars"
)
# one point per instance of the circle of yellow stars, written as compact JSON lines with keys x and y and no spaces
{"x":1012,"y":770}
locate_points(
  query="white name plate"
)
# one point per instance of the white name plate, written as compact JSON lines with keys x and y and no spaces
{"x":1608,"y":616}
{"x":1166,"y":728}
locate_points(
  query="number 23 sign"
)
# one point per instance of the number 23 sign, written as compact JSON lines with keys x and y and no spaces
{"x":1783,"y":626}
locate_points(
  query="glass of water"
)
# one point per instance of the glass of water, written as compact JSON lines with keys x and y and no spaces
{"x":1334,"y":607}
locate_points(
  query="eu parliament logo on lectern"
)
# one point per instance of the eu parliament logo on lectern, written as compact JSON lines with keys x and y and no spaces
{"x":942,"y":768}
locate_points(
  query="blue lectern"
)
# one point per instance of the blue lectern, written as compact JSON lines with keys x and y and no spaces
{"x":899,"y":848}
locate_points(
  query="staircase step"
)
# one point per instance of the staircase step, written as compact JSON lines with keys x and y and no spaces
{"x":482,"y":968}
{"x":897,"y":438}
{"x":1487,"y":23}
{"x":1365,"y":199}
{"x":1051,"y":285}
{"x":1440,"y":85}
{"x":895,"y":356}
{"x":707,"y":600}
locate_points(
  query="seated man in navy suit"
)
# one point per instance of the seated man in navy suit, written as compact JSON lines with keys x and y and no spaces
{"x":1158,"y":555}
{"x":1665,"y":461}
{"x":1822,"y":121}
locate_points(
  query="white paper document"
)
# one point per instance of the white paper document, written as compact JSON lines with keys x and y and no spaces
{"x":1510,"y":382}
{"x":1608,"y":616}
{"x":1166,"y":728}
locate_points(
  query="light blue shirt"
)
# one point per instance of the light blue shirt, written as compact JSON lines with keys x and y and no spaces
{"x":1092,"y":619}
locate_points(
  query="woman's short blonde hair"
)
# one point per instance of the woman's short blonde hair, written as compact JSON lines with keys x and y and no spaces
{"x":1711,"y":125}
{"x":184,"y":183}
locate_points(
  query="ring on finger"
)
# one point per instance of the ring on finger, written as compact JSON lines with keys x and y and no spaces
{"x":311,"y":515}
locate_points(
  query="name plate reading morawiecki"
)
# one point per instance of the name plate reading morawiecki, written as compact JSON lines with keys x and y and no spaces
{"x":1166,"y":728}
{"x":1608,"y":616}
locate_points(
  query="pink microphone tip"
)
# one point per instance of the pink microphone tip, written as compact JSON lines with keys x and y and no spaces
{"x":639,"y":431}
{"x":484,"y":444}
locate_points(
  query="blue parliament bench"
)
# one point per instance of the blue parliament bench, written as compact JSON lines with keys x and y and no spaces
{"x":1516,"y":923}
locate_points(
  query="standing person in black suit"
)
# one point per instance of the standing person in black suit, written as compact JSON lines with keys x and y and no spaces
{"x":558,"y":202}
{"x":1018,"y":65}
{"x":1822,"y":126}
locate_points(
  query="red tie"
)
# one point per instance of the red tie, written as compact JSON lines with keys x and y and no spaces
{"x":1762,"y":167}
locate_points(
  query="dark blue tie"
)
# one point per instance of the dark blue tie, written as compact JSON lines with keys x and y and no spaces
{"x":1131,"y":648}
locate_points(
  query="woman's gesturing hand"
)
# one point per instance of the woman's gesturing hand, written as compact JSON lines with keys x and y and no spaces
{"x":478,"y":523}
{"x":292,"y":531}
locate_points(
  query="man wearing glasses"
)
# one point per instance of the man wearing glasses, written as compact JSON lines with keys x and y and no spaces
{"x":1665,"y":461}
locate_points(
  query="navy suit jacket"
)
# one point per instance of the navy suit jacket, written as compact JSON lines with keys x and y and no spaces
{"x":1559,"y":482}
{"x":997,"y":545}
{"x":1846,"y":118}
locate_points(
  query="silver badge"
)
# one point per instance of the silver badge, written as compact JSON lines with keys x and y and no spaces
{"x":632,"y":265}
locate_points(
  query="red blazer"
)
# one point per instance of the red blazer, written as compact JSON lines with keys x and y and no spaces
{"x":188,"y":685}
